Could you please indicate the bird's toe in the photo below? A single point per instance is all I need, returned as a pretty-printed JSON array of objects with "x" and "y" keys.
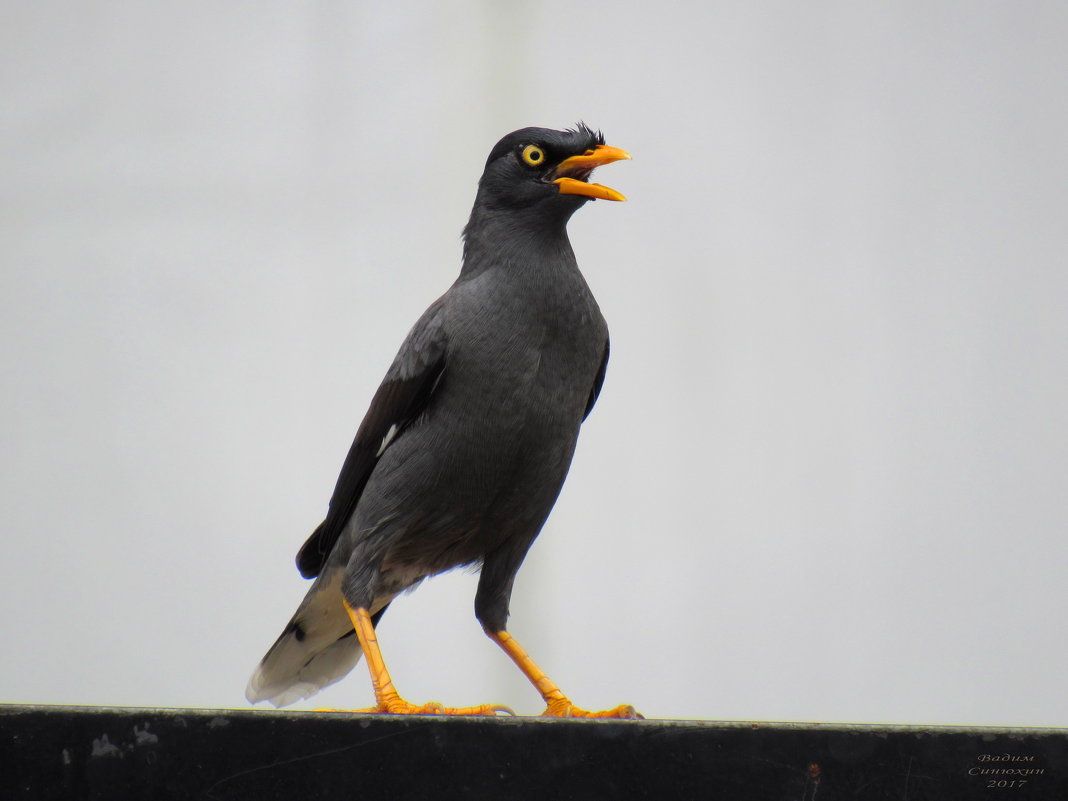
[
  {"x": 563, "y": 708},
  {"x": 398, "y": 706}
]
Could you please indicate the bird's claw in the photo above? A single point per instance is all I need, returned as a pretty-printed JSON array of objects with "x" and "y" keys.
[
  {"x": 398, "y": 706},
  {"x": 563, "y": 708}
]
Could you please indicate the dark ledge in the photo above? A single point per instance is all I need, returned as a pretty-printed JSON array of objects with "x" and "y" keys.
[{"x": 101, "y": 753}]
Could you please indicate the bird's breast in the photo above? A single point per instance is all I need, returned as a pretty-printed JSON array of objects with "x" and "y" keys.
[
  {"x": 488, "y": 457},
  {"x": 519, "y": 371}
]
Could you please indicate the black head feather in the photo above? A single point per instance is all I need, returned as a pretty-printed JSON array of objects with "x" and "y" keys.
[
  {"x": 525, "y": 193},
  {"x": 558, "y": 144}
]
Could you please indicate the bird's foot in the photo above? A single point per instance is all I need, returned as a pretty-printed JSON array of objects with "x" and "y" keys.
[
  {"x": 395, "y": 705},
  {"x": 388, "y": 700},
  {"x": 563, "y": 708}
]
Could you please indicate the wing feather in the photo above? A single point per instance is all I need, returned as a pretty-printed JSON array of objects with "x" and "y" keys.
[
  {"x": 401, "y": 398},
  {"x": 598, "y": 382}
]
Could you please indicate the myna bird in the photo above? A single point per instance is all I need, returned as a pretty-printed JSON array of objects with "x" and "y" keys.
[{"x": 466, "y": 444}]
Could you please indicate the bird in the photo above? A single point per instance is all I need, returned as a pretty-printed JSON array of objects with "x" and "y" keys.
[{"x": 467, "y": 441}]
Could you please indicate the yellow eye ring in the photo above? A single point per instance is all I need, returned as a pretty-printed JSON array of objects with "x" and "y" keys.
[{"x": 533, "y": 155}]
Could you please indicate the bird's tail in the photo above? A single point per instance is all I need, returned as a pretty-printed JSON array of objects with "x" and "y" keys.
[{"x": 317, "y": 648}]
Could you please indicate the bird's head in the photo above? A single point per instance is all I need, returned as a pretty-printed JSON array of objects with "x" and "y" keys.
[{"x": 545, "y": 173}]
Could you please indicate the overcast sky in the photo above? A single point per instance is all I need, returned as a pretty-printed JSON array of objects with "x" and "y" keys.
[{"x": 827, "y": 478}]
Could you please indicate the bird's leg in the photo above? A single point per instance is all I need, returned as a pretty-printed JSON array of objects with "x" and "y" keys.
[
  {"x": 558, "y": 705},
  {"x": 386, "y": 696}
]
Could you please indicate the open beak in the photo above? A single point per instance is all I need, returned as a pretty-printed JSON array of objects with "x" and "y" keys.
[{"x": 572, "y": 173}]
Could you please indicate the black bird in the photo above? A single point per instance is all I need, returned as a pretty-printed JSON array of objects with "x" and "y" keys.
[{"x": 467, "y": 442}]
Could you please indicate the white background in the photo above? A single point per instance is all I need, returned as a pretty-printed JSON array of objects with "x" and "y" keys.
[{"x": 826, "y": 479}]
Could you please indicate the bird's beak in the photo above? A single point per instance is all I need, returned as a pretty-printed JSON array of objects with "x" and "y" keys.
[{"x": 573, "y": 172}]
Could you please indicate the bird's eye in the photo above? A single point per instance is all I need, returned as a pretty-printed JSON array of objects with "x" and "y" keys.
[{"x": 533, "y": 155}]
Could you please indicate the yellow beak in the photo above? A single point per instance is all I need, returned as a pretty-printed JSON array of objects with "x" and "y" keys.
[{"x": 573, "y": 172}]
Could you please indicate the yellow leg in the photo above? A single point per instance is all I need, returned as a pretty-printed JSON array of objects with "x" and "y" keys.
[
  {"x": 558, "y": 705},
  {"x": 386, "y": 696}
]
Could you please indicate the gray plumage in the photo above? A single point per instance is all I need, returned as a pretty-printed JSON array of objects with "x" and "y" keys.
[{"x": 467, "y": 442}]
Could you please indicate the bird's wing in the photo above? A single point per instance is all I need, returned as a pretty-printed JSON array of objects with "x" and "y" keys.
[
  {"x": 402, "y": 397},
  {"x": 598, "y": 382}
]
